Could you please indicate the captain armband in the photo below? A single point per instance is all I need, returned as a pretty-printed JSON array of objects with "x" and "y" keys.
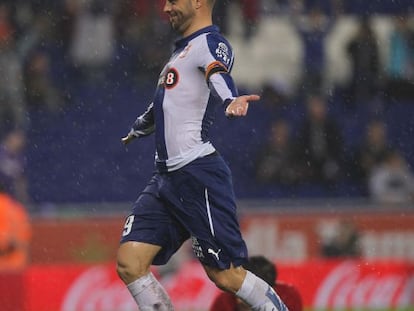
[{"x": 215, "y": 67}]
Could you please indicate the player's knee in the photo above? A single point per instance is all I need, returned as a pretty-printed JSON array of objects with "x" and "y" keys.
[
  {"x": 130, "y": 271},
  {"x": 123, "y": 271},
  {"x": 222, "y": 282},
  {"x": 130, "y": 268},
  {"x": 226, "y": 280},
  {"x": 134, "y": 260}
]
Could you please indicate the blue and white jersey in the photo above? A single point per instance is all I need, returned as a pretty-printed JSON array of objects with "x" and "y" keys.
[{"x": 192, "y": 84}]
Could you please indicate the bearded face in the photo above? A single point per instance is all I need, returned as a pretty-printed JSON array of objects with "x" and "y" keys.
[{"x": 181, "y": 14}]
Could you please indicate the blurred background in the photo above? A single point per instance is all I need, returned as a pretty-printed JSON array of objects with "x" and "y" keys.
[{"x": 322, "y": 165}]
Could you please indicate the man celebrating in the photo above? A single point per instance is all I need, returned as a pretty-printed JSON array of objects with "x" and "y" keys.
[{"x": 191, "y": 193}]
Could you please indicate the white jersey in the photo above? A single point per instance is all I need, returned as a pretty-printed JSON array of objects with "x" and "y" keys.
[{"x": 192, "y": 84}]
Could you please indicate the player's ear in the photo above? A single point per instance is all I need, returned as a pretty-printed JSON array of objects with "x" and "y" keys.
[{"x": 197, "y": 4}]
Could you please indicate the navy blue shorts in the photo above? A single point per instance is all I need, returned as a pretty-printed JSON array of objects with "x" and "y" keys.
[{"x": 197, "y": 202}]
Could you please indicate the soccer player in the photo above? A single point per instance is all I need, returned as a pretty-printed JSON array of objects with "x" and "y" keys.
[
  {"x": 191, "y": 194},
  {"x": 266, "y": 270}
]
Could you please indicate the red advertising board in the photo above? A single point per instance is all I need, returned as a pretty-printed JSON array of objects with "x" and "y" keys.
[
  {"x": 76, "y": 288},
  {"x": 12, "y": 289},
  {"x": 293, "y": 236},
  {"x": 322, "y": 284},
  {"x": 66, "y": 273}
]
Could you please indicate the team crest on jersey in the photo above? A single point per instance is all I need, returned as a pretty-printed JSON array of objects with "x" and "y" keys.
[
  {"x": 222, "y": 52},
  {"x": 170, "y": 79}
]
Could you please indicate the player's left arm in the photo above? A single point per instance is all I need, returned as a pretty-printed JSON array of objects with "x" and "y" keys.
[
  {"x": 223, "y": 85},
  {"x": 217, "y": 73}
]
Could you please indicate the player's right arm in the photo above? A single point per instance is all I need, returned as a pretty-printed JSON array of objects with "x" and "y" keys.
[{"x": 144, "y": 125}]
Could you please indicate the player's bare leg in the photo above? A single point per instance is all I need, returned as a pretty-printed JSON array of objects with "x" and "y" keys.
[
  {"x": 228, "y": 280},
  {"x": 133, "y": 266},
  {"x": 248, "y": 287}
]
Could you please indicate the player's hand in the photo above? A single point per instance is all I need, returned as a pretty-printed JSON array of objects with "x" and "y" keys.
[
  {"x": 239, "y": 106},
  {"x": 127, "y": 139}
]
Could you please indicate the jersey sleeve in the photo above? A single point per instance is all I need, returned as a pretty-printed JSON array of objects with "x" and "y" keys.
[
  {"x": 217, "y": 64},
  {"x": 144, "y": 125}
]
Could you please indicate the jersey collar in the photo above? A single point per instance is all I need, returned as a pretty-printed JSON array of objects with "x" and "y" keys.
[{"x": 181, "y": 43}]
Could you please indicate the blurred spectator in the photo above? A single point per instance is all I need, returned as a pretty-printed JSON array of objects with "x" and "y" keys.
[
  {"x": 344, "y": 243},
  {"x": 372, "y": 149},
  {"x": 319, "y": 144},
  {"x": 93, "y": 36},
  {"x": 135, "y": 24},
  {"x": 276, "y": 162},
  {"x": 40, "y": 90},
  {"x": 400, "y": 66},
  {"x": 6, "y": 21},
  {"x": 12, "y": 104},
  {"x": 275, "y": 94},
  {"x": 313, "y": 29},
  {"x": 392, "y": 181},
  {"x": 271, "y": 7},
  {"x": 15, "y": 233},
  {"x": 328, "y": 7},
  {"x": 364, "y": 55},
  {"x": 266, "y": 270},
  {"x": 250, "y": 10},
  {"x": 12, "y": 165},
  {"x": 34, "y": 22}
]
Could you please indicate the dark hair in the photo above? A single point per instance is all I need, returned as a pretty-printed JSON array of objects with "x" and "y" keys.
[{"x": 263, "y": 268}]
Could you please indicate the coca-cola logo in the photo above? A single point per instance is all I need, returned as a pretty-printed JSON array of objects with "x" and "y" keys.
[
  {"x": 347, "y": 286},
  {"x": 98, "y": 289}
]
